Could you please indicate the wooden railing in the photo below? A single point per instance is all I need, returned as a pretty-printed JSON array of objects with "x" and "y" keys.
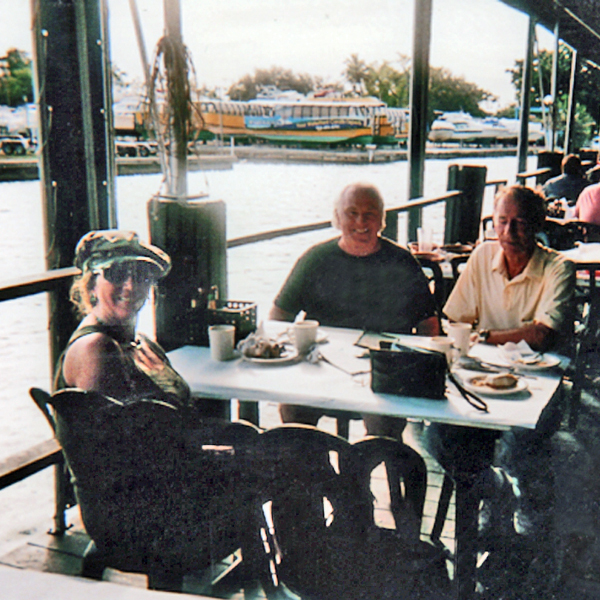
[{"x": 523, "y": 177}]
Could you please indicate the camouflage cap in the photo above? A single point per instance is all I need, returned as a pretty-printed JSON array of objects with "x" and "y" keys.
[{"x": 99, "y": 249}]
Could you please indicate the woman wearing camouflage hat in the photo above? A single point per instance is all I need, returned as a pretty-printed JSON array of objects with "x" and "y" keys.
[{"x": 105, "y": 353}]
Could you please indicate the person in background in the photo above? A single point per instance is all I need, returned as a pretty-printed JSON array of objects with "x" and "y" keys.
[
  {"x": 359, "y": 280},
  {"x": 587, "y": 207},
  {"x": 569, "y": 184},
  {"x": 514, "y": 288}
]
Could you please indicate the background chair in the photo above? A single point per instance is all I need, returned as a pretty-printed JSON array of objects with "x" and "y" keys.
[
  {"x": 159, "y": 494},
  {"x": 320, "y": 519},
  {"x": 437, "y": 284}
]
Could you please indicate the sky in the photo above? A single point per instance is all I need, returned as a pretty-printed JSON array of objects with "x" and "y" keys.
[{"x": 475, "y": 39}]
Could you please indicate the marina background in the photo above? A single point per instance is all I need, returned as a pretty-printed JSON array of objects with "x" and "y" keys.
[{"x": 258, "y": 198}]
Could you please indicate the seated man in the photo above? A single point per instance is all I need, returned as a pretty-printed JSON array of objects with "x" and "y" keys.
[
  {"x": 512, "y": 289},
  {"x": 515, "y": 289},
  {"x": 359, "y": 280},
  {"x": 568, "y": 185}
]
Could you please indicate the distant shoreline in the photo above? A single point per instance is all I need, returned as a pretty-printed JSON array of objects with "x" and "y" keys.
[{"x": 214, "y": 157}]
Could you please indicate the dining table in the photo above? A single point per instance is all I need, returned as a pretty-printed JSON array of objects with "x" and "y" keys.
[
  {"x": 336, "y": 376},
  {"x": 586, "y": 257}
]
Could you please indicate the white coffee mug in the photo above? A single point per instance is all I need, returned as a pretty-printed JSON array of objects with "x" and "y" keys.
[
  {"x": 305, "y": 335},
  {"x": 221, "y": 339},
  {"x": 460, "y": 334},
  {"x": 445, "y": 345}
]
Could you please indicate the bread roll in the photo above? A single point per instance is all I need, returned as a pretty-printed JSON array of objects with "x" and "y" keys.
[{"x": 502, "y": 381}]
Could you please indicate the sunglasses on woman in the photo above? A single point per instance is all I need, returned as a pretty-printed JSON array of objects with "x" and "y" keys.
[{"x": 140, "y": 273}]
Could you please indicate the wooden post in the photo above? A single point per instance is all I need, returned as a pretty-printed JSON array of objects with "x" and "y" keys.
[
  {"x": 76, "y": 148},
  {"x": 391, "y": 225},
  {"x": 175, "y": 64},
  {"x": 419, "y": 86},
  {"x": 463, "y": 216},
  {"x": 193, "y": 234},
  {"x": 548, "y": 159}
]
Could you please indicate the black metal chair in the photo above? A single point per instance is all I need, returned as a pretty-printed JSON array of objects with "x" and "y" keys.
[
  {"x": 159, "y": 493},
  {"x": 437, "y": 284},
  {"x": 320, "y": 525}
]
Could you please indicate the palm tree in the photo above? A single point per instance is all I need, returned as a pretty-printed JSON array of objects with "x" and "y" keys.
[{"x": 356, "y": 72}]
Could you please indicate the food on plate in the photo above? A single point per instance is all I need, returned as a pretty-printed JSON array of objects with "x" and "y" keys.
[
  {"x": 501, "y": 381},
  {"x": 262, "y": 348}
]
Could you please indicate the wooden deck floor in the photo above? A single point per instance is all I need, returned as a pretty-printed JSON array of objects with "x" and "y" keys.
[{"x": 47, "y": 553}]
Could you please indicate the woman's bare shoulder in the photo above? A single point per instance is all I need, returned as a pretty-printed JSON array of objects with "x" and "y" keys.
[{"x": 89, "y": 357}]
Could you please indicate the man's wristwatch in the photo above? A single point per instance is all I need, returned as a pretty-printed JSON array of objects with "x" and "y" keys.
[{"x": 484, "y": 334}]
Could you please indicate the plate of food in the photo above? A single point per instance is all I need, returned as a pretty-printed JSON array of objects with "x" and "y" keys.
[
  {"x": 538, "y": 362},
  {"x": 262, "y": 351},
  {"x": 287, "y": 356},
  {"x": 497, "y": 384}
]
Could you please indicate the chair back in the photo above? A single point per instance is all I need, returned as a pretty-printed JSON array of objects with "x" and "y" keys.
[
  {"x": 42, "y": 400},
  {"x": 308, "y": 481},
  {"x": 406, "y": 474},
  {"x": 435, "y": 277},
  {"x": 156, "y": 489},
  {"x": 320, "y": 526}
]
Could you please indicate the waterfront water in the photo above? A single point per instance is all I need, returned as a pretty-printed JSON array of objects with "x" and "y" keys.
[{"x": 258, "y": 197}]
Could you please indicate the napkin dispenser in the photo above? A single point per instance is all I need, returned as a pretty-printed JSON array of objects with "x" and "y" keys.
[{"x": 409, "y": 371}]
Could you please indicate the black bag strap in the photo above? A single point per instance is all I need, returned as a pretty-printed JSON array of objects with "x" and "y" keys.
[{"x": 473, "y": 399}]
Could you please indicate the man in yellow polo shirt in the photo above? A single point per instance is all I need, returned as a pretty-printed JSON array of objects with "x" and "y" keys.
[
  {"x": 515, "y": 289},
  {"x": 512, "y": 289}
]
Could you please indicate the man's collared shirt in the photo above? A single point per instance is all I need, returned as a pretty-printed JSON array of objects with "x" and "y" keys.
[{"x": 485, "y": 295}]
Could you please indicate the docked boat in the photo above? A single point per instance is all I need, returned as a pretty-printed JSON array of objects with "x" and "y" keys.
[
  {"x": 462, "y": 127},
  {"x": 296, "y": 119}
]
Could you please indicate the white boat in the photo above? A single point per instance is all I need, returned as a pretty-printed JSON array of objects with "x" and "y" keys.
[{"x": 461, "y": 127}]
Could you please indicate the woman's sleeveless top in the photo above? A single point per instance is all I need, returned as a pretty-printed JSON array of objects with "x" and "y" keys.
[{"x": 148, "y": 372}]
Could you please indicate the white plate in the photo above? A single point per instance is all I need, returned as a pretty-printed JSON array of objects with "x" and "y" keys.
[
  {"x": 485, "y": 390},
  {"x": 546, "y": 362},
  {"x": 288, "y": 356}
]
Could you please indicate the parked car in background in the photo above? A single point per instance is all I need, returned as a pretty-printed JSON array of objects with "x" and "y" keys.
[
  {"x": 135, "y": 148},
  {"x": 16, "y": 145}
]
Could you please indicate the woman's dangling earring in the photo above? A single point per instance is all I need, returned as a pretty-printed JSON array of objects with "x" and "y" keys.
[{"x": 93, "y": 299}]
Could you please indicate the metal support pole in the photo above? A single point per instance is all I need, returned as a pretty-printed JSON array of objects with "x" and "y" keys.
[
  {"x": 72, "y": 78},
  {"x": 554, "y": 86},
  {"x": 86, "y": 113},
  {"x": 570, "y": 126},
  {"x": 419, "y": 84},
  {"x": 523, "y": 148},
  {"x": 175, "y": 64},
  {"x": 70, "y": 51}
]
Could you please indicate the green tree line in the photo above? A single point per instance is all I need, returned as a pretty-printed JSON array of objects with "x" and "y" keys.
[{"x": 16, "y": 81}]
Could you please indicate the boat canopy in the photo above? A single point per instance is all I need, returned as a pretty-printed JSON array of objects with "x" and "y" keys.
[{"x": 579, "y": 22}]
